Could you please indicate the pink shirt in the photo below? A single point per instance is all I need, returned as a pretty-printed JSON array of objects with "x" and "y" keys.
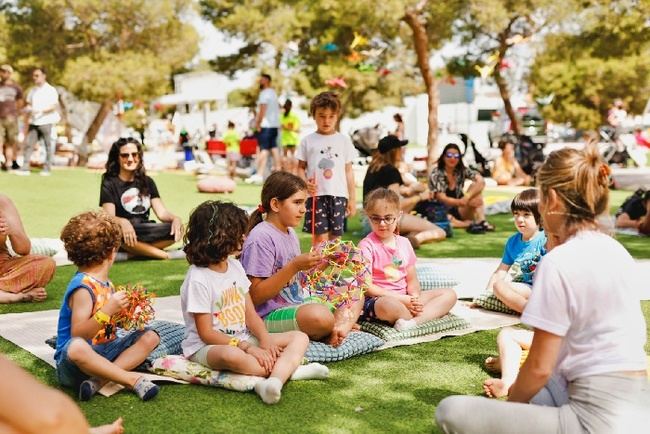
[{"x": 387, "y": 265}]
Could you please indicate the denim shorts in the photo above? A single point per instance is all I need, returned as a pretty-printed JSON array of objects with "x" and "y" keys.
[
  {"x": 268, "y": 138},
  {"x": 70, "y": 375}
]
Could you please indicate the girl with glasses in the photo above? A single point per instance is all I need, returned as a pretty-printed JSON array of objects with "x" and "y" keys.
[
  {"x": 129, "y": 194},
  {"x": 395, "y": 295},
  {"x": 446, "y": 182}
]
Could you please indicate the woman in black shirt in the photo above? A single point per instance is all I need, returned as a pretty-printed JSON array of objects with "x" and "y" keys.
[
  {"x": 129, "y": 194},
  {"x": 383, "y": 172}
]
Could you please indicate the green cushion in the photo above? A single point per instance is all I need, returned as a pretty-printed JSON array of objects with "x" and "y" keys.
[
  {"x": 354, "y": 344},
  {"x": 430, "y": 277},
  {"x": 490, "y": 301},
  {"x": 388, "y": 333}
]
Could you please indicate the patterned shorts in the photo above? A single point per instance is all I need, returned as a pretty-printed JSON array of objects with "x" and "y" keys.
[{"x": 330, "y": 215}]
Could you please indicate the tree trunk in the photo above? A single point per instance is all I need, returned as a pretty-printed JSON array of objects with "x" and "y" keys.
[
  {"x": 421, "y": 44},
  {"x": 501, "y": 81},
  {"x": 94, "y": 127}
]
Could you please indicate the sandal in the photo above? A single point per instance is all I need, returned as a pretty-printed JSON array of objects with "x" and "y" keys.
[
  {"x": 488, "y": 226},
  {"x": 476, "y": 228}
]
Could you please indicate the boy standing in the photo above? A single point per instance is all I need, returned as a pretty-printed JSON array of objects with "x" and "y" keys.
[
  {"x": 88, "y": 352},
  {"x": 325, "y": 162}
]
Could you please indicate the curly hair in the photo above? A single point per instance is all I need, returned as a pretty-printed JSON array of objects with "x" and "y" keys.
[
  {"x": 328, "y": 100},
  {"x": 216, "y": 229},
  {"x": 113, "y": 164},
  {"x": 90, "y": 237}
]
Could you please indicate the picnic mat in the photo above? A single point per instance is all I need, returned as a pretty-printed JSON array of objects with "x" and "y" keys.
[{"x": 30, "y": 330}]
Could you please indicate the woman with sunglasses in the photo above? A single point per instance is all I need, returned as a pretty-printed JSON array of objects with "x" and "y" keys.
[
  {"x": 446, "y": 182},
  {"x": 129, "y": 194},
  {"x": 383, "y": 172}
]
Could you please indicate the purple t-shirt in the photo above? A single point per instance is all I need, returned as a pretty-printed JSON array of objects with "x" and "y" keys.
[{"x": 266, "y": 250}]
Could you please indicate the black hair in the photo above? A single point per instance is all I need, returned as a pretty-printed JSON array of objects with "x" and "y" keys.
[
  {"x": 231, "y": 124},
  {"x": 39, "y": 68},
  {"x": 267, "y": 76},
  {"x": 527, "y": 200},
  {"x": 441, "y": 160},
  {"x": 113, "y": 164},
  {"x": 279, "y": 185},
  {"x": 216, "y": 229},
  {"x": 646, "y": 196},
  {"x": 287, "y": 107}
]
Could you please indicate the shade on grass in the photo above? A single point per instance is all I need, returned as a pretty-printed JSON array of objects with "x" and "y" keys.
[{"x": 390, "y": 391}]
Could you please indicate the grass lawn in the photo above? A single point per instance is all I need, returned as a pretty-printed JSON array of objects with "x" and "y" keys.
[{"x": 390, "y": 391}]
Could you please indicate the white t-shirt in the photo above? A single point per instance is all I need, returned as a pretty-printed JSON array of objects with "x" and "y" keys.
[
  {"x": 326, "y": 157},
  {"x": 222, "y": 295},
  {"x": 272, "y": 114},
  {"x": 587, "y": 291},
  {"x": 41, "y": 98}
]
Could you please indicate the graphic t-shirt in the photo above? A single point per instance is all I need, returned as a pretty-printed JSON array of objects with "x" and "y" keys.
[
  {"x": 9, "y": 94},
  {"x": 266, "y": 250},
  {"x": 523, "y": 256},
  {"x": 326, "y": 157},
  {"x": 129, "y": 204},
  {"x": 633, "y": 207},
  {"x": 388, "y": 266},
  {"x": 269, "y": 98},
  {"x": 222, "y": 295},
  {"x": 289, "y": 137},
  {"x": 100, "y": 292}
]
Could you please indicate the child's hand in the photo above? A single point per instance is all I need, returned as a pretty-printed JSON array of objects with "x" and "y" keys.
[
  {"x": 116, "y": 303},
  {"x": 306, "y": 260},
  {"x": 417, "y": 306},
  {"x": 263, "y": 357},
  {"x": 177, "y": 229},
  {"x": 311, "y": 186},
  {"x": 351, "y": 209},
  {"x": 274, "y": 350}
]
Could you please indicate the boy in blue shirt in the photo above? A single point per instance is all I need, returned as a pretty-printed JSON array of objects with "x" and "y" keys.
[
  {"x": 88, "y": 351},
  {"x": 522, "y": 253}
]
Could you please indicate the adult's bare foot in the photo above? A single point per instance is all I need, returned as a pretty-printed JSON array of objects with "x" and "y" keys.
[
  {"x": 495, "y": 388},
  {"x": 114, "y": 428}
]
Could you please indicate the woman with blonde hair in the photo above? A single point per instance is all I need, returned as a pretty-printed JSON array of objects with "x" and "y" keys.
[{"x": 586, "y": 369}]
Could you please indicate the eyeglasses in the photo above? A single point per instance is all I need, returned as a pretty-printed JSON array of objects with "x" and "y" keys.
[
  {"x": 452, "y": 155},
  {"x": 126, "y": 155},
  {"x": 389, "y": 219}
]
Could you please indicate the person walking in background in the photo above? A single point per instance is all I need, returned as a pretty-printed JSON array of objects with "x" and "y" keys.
[
  {"x": 267, "y": 123},
  {"x": 42, "y": 113},
  {"x": 289, "y": 137},
  {"x": 11, "y": 100},
  {"x": 399, "y": 126}
]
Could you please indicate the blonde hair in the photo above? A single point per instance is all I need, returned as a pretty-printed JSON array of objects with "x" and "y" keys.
[{"x": 581, "y": 179}]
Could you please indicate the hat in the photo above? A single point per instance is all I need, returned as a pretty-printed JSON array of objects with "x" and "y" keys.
[
  {"x": 390, "y": 142},
  {"x": 7, "y": 68}
]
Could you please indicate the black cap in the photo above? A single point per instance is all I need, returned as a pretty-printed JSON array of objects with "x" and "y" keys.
[{"x": 390, "y": 142}]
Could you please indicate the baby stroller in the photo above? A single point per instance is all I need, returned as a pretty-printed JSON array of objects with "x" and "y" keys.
[
  {"x": 480, "y": 163},
  {"x": 366, "y": 139}
]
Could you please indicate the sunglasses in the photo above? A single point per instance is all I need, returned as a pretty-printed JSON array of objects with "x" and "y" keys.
[
  {"x": 389, "y": 219},
  {"x": 133, "y": 155},
  {"x": 452, "y": 155}
]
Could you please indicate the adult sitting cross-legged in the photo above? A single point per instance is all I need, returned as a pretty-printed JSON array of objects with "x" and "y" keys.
[
  {"x": 129, "y": 194},
  {"x": 22, "y": 278}
]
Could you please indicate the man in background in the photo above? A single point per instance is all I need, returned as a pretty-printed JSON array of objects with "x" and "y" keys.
[{"x": 11, "y": 101}]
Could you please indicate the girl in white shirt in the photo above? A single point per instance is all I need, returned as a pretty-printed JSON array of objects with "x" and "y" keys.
[{"x": 586, "y": 370}]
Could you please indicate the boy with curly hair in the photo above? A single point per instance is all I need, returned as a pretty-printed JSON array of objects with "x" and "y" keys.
[{"x": 88, "y": 352}]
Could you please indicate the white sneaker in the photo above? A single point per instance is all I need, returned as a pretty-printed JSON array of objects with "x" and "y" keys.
[
  {"x": 254, "y": 179},
  {"x": 176, "y": 254},
  {"x": 21, "y": 172},
  {"x": 45, "y": 173}
]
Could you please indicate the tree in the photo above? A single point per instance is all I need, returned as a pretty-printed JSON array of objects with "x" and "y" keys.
[
  {"x": 490, "y": 28},
  {"x": 313, "y": 43},
  {"x": 586, "y": 68},
  {"x": 104, "y": 50}
]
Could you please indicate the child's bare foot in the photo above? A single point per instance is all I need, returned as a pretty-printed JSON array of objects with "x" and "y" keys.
[
  {"x": 492, "y": 365},
  {"x": 495, "y": 388},
  {"x": 114, "y": 428}
]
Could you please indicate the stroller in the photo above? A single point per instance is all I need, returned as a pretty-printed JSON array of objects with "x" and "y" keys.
[
  {"x": 366, "y": 139},
  {"x": 480, "y": 163},
  {"x": 530, "y": 155}
]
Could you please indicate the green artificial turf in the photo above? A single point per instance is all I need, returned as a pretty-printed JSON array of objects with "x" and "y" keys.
[{"x": 389, "y": 391}]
